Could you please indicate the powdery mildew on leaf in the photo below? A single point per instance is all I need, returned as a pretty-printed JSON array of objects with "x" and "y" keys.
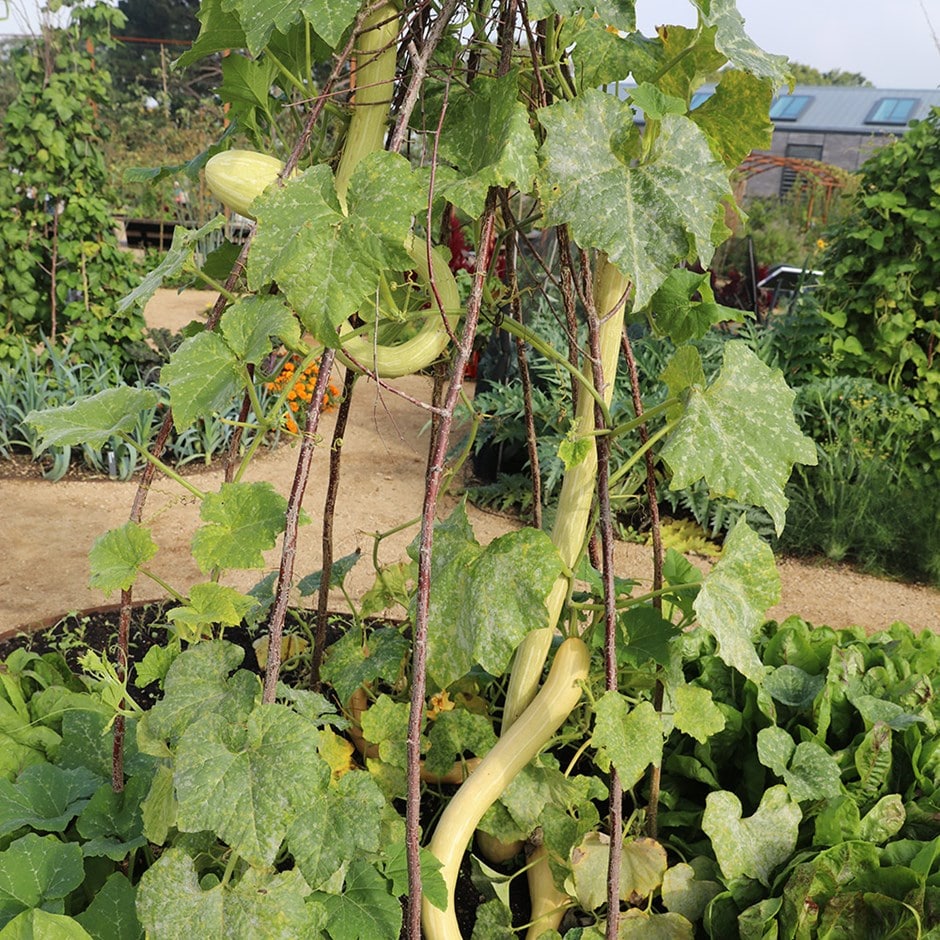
[
  {"x": 242, "y": 521},
  {"x": 647, "y": 215},
  {"x": 740, "y": 435},
  {"x": 173, "y": 905},
  {"x": 755, "y": 846},
  {"x": 733, "y": 41},
  {"x": 259, "y": 18},
  {"x": 486, "y": 135},
  {"x": 736, "y": 594},
  {"x": 485, "y": 600},
  {"x": 248, "y": 783}
]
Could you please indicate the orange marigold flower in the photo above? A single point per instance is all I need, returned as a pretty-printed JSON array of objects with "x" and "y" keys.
[{"x": 291, "y": 425}]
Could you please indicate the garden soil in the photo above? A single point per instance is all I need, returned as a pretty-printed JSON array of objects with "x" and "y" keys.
[{"x": 48, "y": 528}]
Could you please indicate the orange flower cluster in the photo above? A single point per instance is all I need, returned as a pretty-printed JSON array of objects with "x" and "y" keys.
[{"x": 301, "y": 392}]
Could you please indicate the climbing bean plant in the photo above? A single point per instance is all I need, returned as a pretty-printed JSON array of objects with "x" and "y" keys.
[
  {"x": 63, "y": 270},
  {"x": 386, "y": 128}
]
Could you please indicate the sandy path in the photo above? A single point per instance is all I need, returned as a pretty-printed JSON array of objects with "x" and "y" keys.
[{"x": 49, "y": 527}]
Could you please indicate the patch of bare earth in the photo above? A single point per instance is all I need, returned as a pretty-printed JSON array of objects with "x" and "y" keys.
[{"x": 48, "y": 527}]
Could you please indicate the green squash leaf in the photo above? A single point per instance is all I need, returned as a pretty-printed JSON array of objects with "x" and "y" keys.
[
  {"x": 366, "y": 907},
  {"x": 93, "y": 420},
  {"x": 247, "y": 783},
  {"x": 675, "y": 314},
  {"x": 338, "y": 571},
  {"x": 203, "y": 376},
  {"x": 618, "y": 13},
  {"x": 487, "y": 137},
  {"x": 385, "y": 723},
  {"x": 630, "y": 739},
  {"x": 86, "y": 742},
  {"x": 647, "y": 215},
  {"x": 678, "y": 61},
  {"x": 328, "y": 263},
  {"x": 456, "y": 733},
  {"x": 181, "y": 251},
  {"x": 655, "y": 103},
  {"x": 508, "y": 582},
  {"x": 755, "y": 846},
  {"x": 599, "y": 56},
  {"x": 158, "y": 809},
  {"x": 218, "y": 31},
  {"x": 36, "y": 870},
  {"x": 243, "y": 520},
  {"x": 259, "y": 18},
  {"x": 432, "y": 882},
  {"x": 45, "y": 797},
  {"x": 112, "y": 914},
  {"x": 37, "y": 924},
  {"x": 117, "y": 556},
  {"x": 211, "y": 604},
  {"x": 347, "y": 666},
  {"x": 648, "y": 636},
  {"x": 735, "y": 118},
  {"x": 111, "y": 822},
  {"x": 735, "y": 595},
  {"x": 248, "y": 325},
  {"x": 740, "y": 435}
]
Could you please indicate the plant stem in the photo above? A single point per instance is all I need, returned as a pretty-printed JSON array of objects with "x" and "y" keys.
[
  {"x": 326, "y": 542},
  {"x": 652, "y": 812},
  {"x": 515, "y": 306},
  {"x": 615, "y": 803},
  {"x": 289, "y": 550},
  {"x": 164, "y": 468},
  {"x": 432, "y": 489},
  {"x": 419, "y": 72}
]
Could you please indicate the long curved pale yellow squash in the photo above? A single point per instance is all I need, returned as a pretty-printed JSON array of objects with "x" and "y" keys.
[{"x": 533, "y": 730}]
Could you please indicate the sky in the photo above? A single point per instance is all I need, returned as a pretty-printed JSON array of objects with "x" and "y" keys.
[
  {"x": 894, "y": 45},
  {"x": 889, "y": 43}
]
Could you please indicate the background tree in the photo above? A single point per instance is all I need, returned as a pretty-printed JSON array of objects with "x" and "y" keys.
[
  {"x": 63, "y": 271},
  {"x": 807, "y": 75}
]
